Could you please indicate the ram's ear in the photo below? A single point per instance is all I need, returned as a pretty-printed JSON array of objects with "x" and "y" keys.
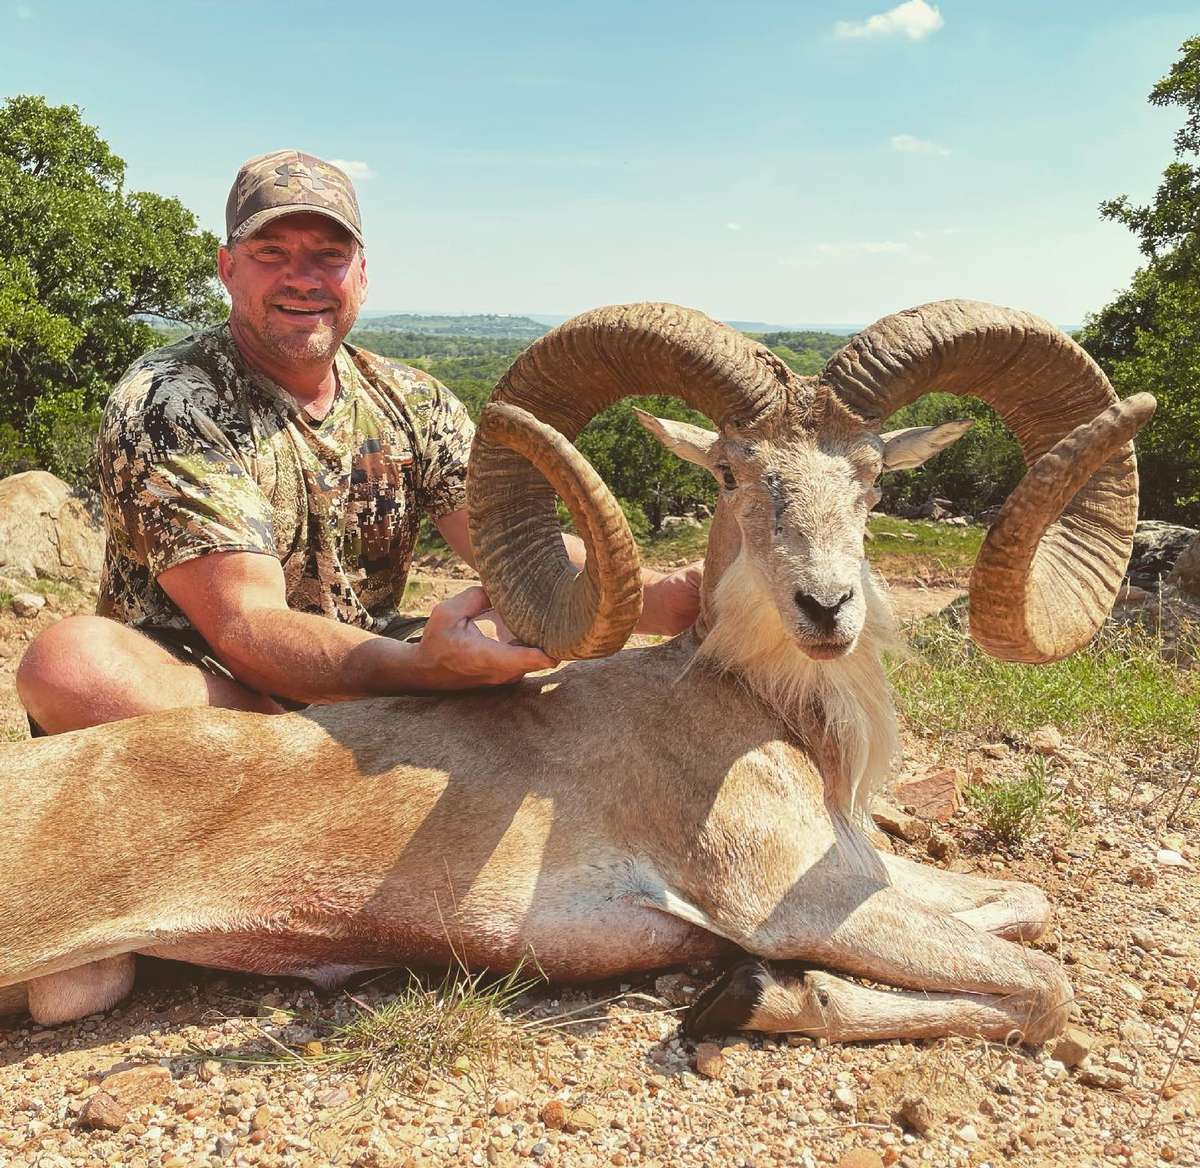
[
  {"x": 689, "y": 442},
  {"x": 905, "y": 449}
]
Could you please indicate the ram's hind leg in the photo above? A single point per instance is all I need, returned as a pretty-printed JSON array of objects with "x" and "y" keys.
[
  {"x": 86, "y": 989},
  {"x": 981, "y": 985},
  {"x": 1005, "y": 908}
]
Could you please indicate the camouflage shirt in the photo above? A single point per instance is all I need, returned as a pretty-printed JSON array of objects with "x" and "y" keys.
[{"x": 199, "y": 454}]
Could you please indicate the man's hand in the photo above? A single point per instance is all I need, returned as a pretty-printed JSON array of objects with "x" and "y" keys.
[
  {"x": 671, "y": 602},
  {"x": 454, "y": 653}
]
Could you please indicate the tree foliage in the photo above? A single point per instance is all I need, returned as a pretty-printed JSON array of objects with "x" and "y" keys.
[
  {"x": 83, "y": 259},
  {"x": 1148, "y": 338}
]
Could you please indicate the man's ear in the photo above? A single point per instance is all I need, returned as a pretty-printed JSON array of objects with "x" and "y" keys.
[
  {"x": 688, "y": 442},
  {"x": 905, "y": 449}
]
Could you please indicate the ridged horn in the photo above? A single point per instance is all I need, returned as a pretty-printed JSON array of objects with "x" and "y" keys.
[
  {"x": 1051, "y": 566},
  {"x": 562, "y": 381}
]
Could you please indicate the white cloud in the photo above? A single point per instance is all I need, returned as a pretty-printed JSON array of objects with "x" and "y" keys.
[
  {"x": 356, "y": 170},
  {"x": 734, "y": 226},
  {"x": 907, "y": 144},
  {"x": 914, "y": 19},
  {"x": 863, "y": 247}
]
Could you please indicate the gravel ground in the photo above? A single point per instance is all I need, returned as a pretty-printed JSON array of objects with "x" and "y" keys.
[{"x": 612, "y": 1083}]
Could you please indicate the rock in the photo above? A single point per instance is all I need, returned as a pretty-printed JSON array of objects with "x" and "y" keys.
[
  {"x": 860, "y": 1158},
  {"x": 844, "y": 1099},
  {"x": 1169, "y": 858},
  {"x": 1144, "y": 939},
  {"x": 580, "y": 1119},
  {"x": 124, "y": 1091},
  {"x": 1185, "y": 575},
  {"x": 261, "y": 1119},
  {"x": 208, "y": 1070},
  {"x": 968, "y": 1133},
  {"x": 914, "y": 1114},
  {"x": 1142, "y": 876},
  {"x": 942, "y": 847},
  {"x": 48, "y": 529},
  {"x": 1157, "y": 547},
  {"x": 935, "y": 797},
  {"x": 677, "y": 988},
  {"x": 506, "y": 1103},
  {"x": 674, "y": 522},
  {"x": 313, "y": 1049},
  {"x": 1103, "y": 1077},
  {"x": 1131, "y": 594},
  {"x": 1072, "y": 1047},
  {"x": 899, "y": 823},
  {"x": 554, "y": 1114},
  {"x": 994, "y": 750},
  {"x": 1047, "y": 740},
  {"x": 28, "y": 604},
  {"x": 709, "y": 1061}
]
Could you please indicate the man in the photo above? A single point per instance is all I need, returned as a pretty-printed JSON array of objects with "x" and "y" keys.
[{"x": 262, "y": 486}]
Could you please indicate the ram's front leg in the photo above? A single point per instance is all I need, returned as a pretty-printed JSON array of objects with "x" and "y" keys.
[{"x": 967, "y": 982}]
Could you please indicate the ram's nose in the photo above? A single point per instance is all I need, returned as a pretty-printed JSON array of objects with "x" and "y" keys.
[{"x": 822, "y": 611}]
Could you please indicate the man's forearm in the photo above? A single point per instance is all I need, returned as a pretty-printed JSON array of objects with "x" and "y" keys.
[{"x": 310, "y": 658}]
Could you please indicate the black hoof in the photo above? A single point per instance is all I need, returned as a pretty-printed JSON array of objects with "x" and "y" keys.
[{"x": 727, "y": 1004}]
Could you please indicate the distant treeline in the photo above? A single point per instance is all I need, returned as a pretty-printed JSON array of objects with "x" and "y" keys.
[
  {"x": 488, "y": 324},
  {"x": 651, "y": 484}
]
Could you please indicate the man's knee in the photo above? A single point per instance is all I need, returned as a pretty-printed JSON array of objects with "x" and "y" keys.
[{"x": 75, "y": 655}]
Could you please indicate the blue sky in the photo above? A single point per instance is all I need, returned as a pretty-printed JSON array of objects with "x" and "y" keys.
[{"x": 785, "y": 162}]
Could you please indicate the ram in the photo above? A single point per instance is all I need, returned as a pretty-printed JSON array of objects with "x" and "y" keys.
[{"x": 701, "y": 798}]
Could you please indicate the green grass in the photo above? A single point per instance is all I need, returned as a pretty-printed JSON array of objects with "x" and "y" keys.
[
  {"x": 681, "y": 543},
  {"x": 62, "y": 589},
  {"x": 460, "y": 1025},
  {"x": 1119, "y": 690},
  {"x": 1011, "y": 809},
  {"x": 416, "y": 591},
  {"x": 903, "y": 546}
]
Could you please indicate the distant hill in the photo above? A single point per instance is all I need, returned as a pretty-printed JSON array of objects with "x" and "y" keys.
[{"x": 477, "y": 325}]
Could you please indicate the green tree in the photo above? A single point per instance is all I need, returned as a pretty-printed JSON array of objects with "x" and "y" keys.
[
  {"x": 1148, "y": 338},
  {"x": 83, "y": 260},
  {"x": 640, "y": 471}
]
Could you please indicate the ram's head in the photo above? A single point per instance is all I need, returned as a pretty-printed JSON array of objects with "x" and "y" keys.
[{"x": 797, "y": 460}]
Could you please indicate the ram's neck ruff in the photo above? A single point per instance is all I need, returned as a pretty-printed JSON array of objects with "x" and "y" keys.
[{"x": 850, "y": 695}]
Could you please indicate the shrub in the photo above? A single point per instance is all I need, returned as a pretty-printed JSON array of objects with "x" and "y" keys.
[{"x": 1012, "y": 808}]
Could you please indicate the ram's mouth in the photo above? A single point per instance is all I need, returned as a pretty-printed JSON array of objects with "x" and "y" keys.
[{"x": 826, "y": 650}]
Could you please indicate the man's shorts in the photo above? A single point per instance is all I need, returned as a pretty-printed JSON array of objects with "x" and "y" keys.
[{"x": 189, "y": 646}]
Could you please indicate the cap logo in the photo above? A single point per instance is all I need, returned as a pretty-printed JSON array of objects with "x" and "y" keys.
[{"x": 302, "y": 173}]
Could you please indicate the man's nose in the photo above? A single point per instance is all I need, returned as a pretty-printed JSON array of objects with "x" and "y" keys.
[{"x": 303, "y": 272}]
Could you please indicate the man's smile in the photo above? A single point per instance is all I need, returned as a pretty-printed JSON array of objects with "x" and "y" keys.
[{"x": 312, "y": 312}]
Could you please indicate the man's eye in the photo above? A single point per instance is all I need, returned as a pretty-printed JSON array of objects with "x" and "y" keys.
[{"x": 727, "y": 478}]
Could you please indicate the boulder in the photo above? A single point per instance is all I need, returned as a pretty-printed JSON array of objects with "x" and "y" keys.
[
  {"x": 1156, "y": 548},
  {"x": 1185, "y": 575},
  {"x": 48, "y": 529}
]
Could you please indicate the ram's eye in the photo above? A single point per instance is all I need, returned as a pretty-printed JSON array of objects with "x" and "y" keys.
[{"x": 727, "y": 478}]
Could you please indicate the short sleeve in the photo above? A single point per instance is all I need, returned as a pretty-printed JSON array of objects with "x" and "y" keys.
[
  {"x": 174, "y": 487},
  {"x": 444, "y": 439}
]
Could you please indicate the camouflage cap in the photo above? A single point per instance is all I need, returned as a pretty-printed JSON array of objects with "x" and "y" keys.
[{"x": 284, "y": 182}]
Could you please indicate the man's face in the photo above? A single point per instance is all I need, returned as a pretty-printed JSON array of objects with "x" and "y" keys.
[{"x": 296, "y": 285}]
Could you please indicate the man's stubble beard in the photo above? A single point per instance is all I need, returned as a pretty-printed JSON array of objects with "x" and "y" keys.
[{"x": 317, "y": 346}]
